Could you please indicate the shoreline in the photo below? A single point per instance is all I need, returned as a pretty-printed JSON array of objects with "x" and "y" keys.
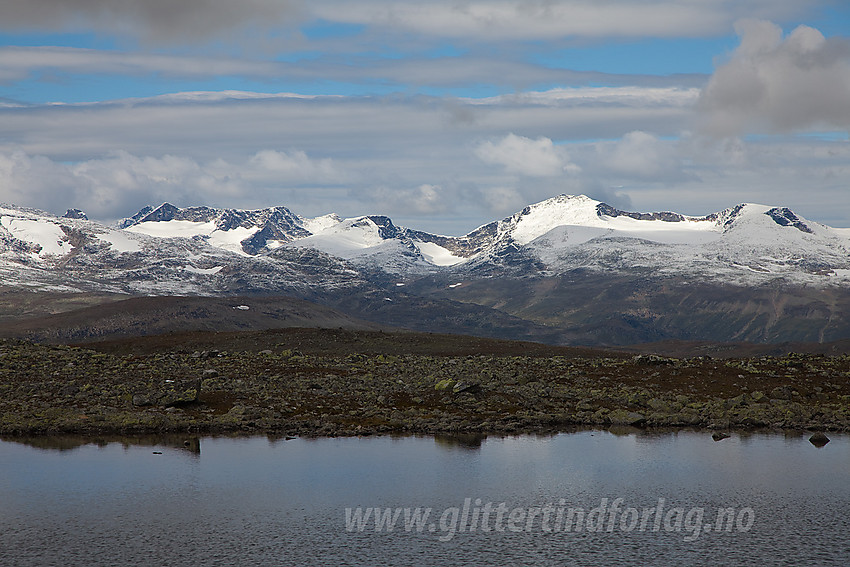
[
  {"x": 191, "y": 442},
  {"x": 59, "y": 389}
]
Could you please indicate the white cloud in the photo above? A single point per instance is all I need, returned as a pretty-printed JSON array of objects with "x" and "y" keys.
[
  {"x": 295, "y": 166},
  {"x": 21, "y": 62},
  {"x": 172, "y": 21},
  {"x": 502, "y": 200},
  {"x": 774, "y": 84},
  {"x": 425, "y": 199},
  {"x": 119, "y": 183},
  {"x": 188, "y": 22},
  {"x": 409, "y": 157},
  {"x": 546, "y": 19},
  {"x": 518, "y": 154},
  {"x": 642, "y": 156},
  {"x": 626, "y": 96}
]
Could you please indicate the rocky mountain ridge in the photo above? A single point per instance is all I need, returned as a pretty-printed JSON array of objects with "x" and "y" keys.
[{"x": 567, "y": 270}]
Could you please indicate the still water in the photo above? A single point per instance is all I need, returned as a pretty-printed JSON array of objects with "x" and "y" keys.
[{"x": 582, "y": 498}]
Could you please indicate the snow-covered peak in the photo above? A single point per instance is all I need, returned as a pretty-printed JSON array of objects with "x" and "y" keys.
[
  {"x": 538, "y": 219},
  {"x": 761, "y": 222},
  {"x": 237, "y": 230},
  {"x": 346, "y": 238},
  {"x": 319, "y": 224},
  {"x": 553, "y": 236},
  {"x": 38, "y": 236},
  {"x": 575, "y": 214}
]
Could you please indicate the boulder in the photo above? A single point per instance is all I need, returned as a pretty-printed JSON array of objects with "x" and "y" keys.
[{"x": 623, "y": 417}]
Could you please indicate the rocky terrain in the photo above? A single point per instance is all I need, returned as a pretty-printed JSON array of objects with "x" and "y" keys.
[{"x": 359, "y": 382}]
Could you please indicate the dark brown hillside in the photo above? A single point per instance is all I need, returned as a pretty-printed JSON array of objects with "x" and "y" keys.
[{"x": 143, "y": 316}]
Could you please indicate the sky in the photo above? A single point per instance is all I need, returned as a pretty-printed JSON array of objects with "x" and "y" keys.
[{"x": 442, "y": 114}]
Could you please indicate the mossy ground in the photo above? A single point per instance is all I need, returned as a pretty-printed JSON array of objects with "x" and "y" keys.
[{"x": 359, "y": 383}]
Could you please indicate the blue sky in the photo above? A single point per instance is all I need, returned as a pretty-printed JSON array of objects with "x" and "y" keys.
[{"x": 442, "y": 114}]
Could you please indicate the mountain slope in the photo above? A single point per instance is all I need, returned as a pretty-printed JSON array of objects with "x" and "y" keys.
[
  {"x": 745, "y": 244},
  {"x": 566, "y": 270},
  {"x": 142, "y": 316}
]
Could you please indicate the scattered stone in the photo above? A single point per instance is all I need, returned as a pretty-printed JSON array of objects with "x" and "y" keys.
[
  {"x": 781, "y": 393},
  {"x": 69, "y": 390},
  {"x": 469, "y": 387},
  {"x": 651, "y": 360},
  {"x": 659, "y": 405},
  {"x": 759, "y": 397},
  {"x": 720, "y": 436},
  {"x": 623, "y": 417},
  {"x": 314, "y": 392},
  {"x": 142, "y": 400}
]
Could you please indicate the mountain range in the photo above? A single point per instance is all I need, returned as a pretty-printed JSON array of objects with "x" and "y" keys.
[{"x": 567, "y": 270}]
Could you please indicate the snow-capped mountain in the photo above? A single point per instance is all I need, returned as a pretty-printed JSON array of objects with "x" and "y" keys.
[
  {"x": 742, "y": 244},
  {"x": 240, "y": 231},
  {"x": 40, "y": 251},
  {"x": 569, "y": 268},
  {"x": 745, "y": 244}
]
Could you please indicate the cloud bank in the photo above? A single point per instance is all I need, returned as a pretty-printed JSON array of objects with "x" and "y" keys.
[
  {"x": 188, "y": 21},
  {"x": 773, "y": 84},
  {"x": 172, "y": 21}
]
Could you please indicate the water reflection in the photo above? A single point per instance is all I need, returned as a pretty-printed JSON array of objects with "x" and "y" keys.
[
  {"x": 472, "y": 441},
  {"x": 277, "y": 501},
  {"x": 460, "y": 441},
  {"x": 188, "y": 443}
]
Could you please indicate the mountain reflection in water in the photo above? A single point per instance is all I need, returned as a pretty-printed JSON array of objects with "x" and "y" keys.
[{"x": 162, "y": 500}]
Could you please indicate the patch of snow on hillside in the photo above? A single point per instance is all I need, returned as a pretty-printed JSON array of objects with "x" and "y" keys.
[
  {"x": 346, "y": 239},
  {"x": 173, "y": 228},
  {"x": 438, "y": 255},
  {"x": 322, "y": 223},
  {"x": 230, "y": 240},
  {"x": 664, "y": 232},
  {"x": 121, "y": 242},
  {"x": 48, "y": 235},
  {"x": 842, "y": 232},
  {"x": 203, "y": 271}
]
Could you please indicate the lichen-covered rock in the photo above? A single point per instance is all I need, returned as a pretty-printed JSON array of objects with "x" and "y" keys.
[{"x": 623, "y": 417}]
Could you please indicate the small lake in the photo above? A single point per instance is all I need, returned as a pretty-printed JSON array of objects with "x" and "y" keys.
[{"x": 584, "y": 498}]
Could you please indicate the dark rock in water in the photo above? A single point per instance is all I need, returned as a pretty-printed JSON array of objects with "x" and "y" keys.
[
  {"x": 720, "y": 436},
  {"x": 819, "y": 439}
]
